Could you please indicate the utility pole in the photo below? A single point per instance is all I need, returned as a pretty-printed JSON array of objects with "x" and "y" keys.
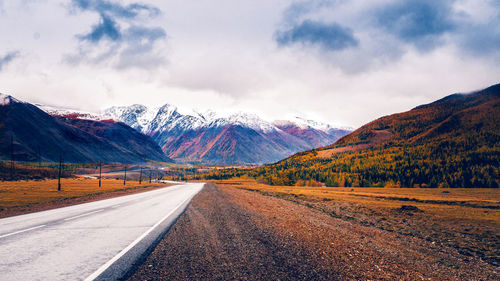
[
  {"x": 60, "y": 167},
  {"x": 149, "y": 176},
  {"x": 11, "y": 157},
  {"x": 100, "y": 173},
  {"x": 140, "y": 177},
  {"x": 125, "y": 175}
]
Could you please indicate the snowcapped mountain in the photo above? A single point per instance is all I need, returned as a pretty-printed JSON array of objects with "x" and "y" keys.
[
  {"x": 211, "y": 138},
  {"x": 239, "y": 138},
  {"x": 7, "y": 99},
  {"x": 28, "y": 132}
]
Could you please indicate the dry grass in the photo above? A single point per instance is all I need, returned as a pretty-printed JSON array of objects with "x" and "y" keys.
[
  {"x": 25, "y": 193},
  {"x": 482, "y": 205},
  {"x": 465, "y": 220}
]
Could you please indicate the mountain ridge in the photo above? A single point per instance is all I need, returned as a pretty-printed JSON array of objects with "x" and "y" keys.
[
  {"x": 451, "y": 142},
  {"x": 77, "y": 140},
  {"x": 210, "y": 138}
]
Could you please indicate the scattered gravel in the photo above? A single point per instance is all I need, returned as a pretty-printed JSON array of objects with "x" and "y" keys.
[{"x": 233, "y": 234}]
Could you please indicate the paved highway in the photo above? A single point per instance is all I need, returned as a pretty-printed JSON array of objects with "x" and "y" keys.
[{"x": 100, "y": 240}]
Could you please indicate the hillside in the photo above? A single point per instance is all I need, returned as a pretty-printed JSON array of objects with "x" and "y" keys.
[
  {"x": 239, "y": 138},
  {"x": 79, "y": 140},
  {"x": 455, "y": 116},
  {"x": 453, "y": 142}
]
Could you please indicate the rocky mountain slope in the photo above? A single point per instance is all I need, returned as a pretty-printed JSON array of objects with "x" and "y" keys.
[{"x": 239, "y": 138}]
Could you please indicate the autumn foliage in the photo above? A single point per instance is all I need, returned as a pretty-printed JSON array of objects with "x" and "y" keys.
[{"x": 453, "y": 142}]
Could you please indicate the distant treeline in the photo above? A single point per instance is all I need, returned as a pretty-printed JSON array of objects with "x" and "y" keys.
[{"x": 30, "y": 172}]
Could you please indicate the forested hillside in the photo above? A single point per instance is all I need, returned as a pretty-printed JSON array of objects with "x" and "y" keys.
[{"x": 453, "y": 142}]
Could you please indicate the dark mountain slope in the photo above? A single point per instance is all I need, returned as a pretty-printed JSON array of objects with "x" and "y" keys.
[
  {"x": 79, "y": 140},
  {"x": 124, "y": 138}
]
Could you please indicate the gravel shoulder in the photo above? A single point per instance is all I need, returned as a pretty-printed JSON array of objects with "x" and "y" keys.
[{"x": 230, "y": 233}]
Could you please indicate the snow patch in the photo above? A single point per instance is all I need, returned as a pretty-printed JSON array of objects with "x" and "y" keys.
[
  {"x": 7, "y": 99},
  {"x": 58, "y": 111}
]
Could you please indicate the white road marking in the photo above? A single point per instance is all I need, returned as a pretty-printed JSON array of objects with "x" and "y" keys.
[
  {"x": 120, "y": 254},
  {"x": 21, "y": 231},
  {"x": 82, "y": 215},
  {"x": 116, "y": 206}
]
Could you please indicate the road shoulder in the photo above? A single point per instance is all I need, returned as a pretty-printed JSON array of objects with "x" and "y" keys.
[{"x": 229, "y": 233}]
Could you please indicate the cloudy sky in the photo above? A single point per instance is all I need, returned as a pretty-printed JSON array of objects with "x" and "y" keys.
[{"x": 343, "y": 62}]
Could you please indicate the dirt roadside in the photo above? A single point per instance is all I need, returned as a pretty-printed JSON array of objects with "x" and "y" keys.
[{"x": 232, "y": 234}]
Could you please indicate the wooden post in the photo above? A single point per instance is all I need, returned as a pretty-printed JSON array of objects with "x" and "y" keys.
[
  {"x": 125, "y": 176},
  {"x": 140, "y": 177},
  {"x": 59, "y": 178},
  {"x": 100, "y": 173}
]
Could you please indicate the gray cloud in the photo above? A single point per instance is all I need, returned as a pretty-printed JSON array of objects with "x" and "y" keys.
[
  {"x": 481, "y": 40},
  {"x": 140, "y": 40},
  {"x": 417, "y": 22},
  {"x": 481, "y": 37},
  {"x": 329, "y": 36},
  {"x": 296, "y": 10},
  {"x": 107, "y": 40},
  {"x": 116, "y": 10},
  {"x": 7, "y": 58},
  {"x": 107, "y": 28},
  {"x": 386, "y": 30}
]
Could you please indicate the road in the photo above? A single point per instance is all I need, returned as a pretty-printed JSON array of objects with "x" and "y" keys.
[{"x": 93, "y": 241}]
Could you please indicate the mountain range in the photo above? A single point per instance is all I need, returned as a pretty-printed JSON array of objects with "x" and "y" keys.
[
  {"x": 210, "y": 138},
  {"x": 29, "y": 133},
  {"x": 452, "y": 142}
]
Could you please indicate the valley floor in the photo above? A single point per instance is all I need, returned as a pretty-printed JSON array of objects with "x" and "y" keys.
[{"x": 234, "y": 232}]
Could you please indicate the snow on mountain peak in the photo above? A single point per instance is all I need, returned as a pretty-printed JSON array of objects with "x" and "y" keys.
[
  {"x": 168, "y": 117},
  {"x": 137, "y": 116},
  {"x": 252, "y": 121},
  {"x": 7, "y": 99},
  {"x": 59, "y": 111},
  {"x": 206, "y": 115},
  {"x": 304, "y": 123}
]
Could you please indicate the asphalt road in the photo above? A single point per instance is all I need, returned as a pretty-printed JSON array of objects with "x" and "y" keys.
[{"x": 101, "y": 240}]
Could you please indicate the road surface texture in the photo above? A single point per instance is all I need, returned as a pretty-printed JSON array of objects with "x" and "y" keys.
[
  {"x": 228, "y": 233},
  {"x": 100, "y": 240}
]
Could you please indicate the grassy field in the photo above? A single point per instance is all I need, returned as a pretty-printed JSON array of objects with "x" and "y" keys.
[
  {"x": 467, "y": 220},
  {"x": 481, "y": 204},
  {"x": 29, "y": 195}
]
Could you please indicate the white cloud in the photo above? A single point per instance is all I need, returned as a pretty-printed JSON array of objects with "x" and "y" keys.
[{"x": 222, "y": 55}]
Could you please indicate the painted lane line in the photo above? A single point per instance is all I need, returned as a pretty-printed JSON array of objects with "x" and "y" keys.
[
  {"x": 82, "y": 215},
  {"x": 21, "y": 231},
  {"x": 124, "y": 251},
  {"x": 115, "y": 206}
]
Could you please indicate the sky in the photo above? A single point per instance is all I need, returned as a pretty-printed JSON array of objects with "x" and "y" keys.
[{"x": 337, "y": 61}]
